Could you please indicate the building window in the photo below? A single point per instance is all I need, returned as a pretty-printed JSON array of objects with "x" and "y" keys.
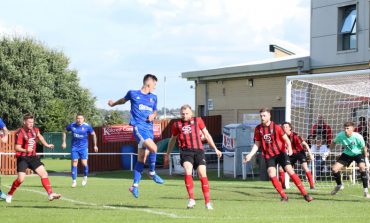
[
  {"x": 278, "y": 114},
  {"x": 201, "y": 110},
  {"x": 347, "y": 28}
]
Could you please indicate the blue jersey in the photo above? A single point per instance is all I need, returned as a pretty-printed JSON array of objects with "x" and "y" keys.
[
  {"x": 142, "y": 105},
  {"x": 2, "y": 124},
  {"x": 80, "y": 135}
]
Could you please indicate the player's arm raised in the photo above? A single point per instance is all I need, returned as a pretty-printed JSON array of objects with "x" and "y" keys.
[
  {"x": 118, "y": 102},
  {"x": 255, "y": 147}
]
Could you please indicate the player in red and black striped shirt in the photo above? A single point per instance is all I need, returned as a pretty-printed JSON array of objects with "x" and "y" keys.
[
  {"x": 25, "y": 147},
  {"x": 186, "y": 132},
  {"x": 272, "y": 139},
  {"x": 299, "y": 153}
]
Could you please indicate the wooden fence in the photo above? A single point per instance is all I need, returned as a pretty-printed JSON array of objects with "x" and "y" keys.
[{"x": 8, "y": 163}]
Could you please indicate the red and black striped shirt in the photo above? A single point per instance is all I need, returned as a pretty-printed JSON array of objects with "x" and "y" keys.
[
  {"x": 271, "y": 138},
  {"x": 27, "y": 139},
  {"x": 296, "y": 141},
  {"x": 188, "y": 133}
]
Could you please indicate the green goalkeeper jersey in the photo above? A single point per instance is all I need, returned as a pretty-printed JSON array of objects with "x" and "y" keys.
[{"x": 353, "y": 145}]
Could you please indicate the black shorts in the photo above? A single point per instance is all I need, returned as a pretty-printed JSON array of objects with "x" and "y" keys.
[
  {"x": 346, "y": 160},
  {"x": 24, "y": 162},
  {"x": 194, "y": 156},
  {"x": 300, "y": 156},
  {"x": 282, "y": 159}
]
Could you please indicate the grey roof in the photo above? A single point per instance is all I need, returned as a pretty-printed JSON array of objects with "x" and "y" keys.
[{"x": 280, "y": 65}]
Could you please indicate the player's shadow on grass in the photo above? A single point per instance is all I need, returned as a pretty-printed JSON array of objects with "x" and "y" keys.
[
  {"x": 40, "y": 186},
  {"x": 128, "y": 206},
  {"x": 48, "y": 207},
  {"x": 331, "y": 198}
]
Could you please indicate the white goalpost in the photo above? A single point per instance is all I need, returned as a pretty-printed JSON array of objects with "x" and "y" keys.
[{"x": 332, "y": 99}]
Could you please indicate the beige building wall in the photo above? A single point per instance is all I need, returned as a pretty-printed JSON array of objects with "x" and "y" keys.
[{"x": 235, "y": 97}]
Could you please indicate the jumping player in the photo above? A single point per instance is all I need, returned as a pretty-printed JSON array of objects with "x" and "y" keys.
[
  {"x": 143, "y": 111},
  {"x": 274, "y": 142},
  {"x": 186, "y": 132}
]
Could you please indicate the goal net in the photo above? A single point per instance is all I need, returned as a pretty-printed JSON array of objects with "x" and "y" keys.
[{"x": 318, "y": 105}]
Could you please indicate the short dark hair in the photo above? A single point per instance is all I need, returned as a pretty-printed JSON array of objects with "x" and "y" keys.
[
  {"x": 348, "y": 124},
  {"x": 362, "y": 119},
  {"x": 27, "y": 116},
  {"x": 265, "y": 110},
  {"x": 287, "y": 123},
  {"x": 147, "y": 76},
  {"x": 80, "y": 114}
]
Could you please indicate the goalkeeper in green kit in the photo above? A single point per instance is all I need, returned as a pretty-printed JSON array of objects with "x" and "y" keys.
[{"x": 354, "y": 150}]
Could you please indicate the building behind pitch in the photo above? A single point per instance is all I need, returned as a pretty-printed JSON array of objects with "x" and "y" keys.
[{"x": 339, "y": 42}]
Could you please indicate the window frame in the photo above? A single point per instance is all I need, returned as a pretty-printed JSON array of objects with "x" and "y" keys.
[{"x": 344, "y": 43}]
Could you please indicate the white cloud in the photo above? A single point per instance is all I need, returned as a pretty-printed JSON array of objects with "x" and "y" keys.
[
  {"x": 17, "y": 30},
  {"x": 111, "y": 56},
  {"x": 112, "y": 43}
]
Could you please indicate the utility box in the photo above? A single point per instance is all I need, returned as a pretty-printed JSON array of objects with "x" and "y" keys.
[{"x": 236, "y": 138}]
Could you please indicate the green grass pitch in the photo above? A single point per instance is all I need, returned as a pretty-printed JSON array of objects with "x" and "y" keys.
[{"x": 106, "y": 199}]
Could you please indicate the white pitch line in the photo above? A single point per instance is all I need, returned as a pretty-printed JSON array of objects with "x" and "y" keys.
[{"x": 171, "y": 215}]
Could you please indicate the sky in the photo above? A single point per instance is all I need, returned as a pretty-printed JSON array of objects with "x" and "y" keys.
[{"x": 114, "y": 43}]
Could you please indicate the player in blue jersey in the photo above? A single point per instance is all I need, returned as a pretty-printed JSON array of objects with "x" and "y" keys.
[
  {"x": 80, "y": 137},
  {"x": 4, "y": 139},
  {"x": 143, "y": 112}
]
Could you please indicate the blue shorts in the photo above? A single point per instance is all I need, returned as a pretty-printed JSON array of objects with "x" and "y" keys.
[
  {"x": 142, "y": 134},
  {"x": 79, "y": 154}
]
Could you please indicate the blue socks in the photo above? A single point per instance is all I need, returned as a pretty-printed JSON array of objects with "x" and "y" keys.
[
  {"x": 152, "y": 158},
  {"x": 74, "y": 172},
  {"x": 139, "y": 167},
  {"x": 86, "y": 170}
]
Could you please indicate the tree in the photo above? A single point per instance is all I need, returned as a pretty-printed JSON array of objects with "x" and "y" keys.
[
  {"x": 114, "y": 117},
  {"x": 37, "y": 80}
]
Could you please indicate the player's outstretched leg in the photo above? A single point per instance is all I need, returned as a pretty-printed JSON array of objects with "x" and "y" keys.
[
  {"x": 300, "y": 187},
  {"x": 310, "y": 179},
  {"x": 275, "y": 182},
  {"x": 139, "y": 167},
  {"x": 152, "y": 174},
  {"x": 15, "y": 185},
  {"x": 47, "y": 186},
  {"x": 338, "y": 180},
  {"x": 282, "y": 178}
]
